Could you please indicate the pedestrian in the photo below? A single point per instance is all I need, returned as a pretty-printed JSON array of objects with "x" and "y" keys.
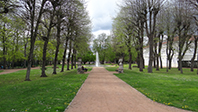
[{"x": 85, "y": 69}]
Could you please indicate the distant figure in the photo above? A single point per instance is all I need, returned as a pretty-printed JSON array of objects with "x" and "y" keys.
[
  {"x": 85, "y": 69},
  {"x": 1, "y": 66}
]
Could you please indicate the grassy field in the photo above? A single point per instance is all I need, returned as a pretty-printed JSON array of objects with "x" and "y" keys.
[
  {"x": 53, "y": 93},
  {"x": 1, "y": 71},
  {"x": 172, "y": 88}
]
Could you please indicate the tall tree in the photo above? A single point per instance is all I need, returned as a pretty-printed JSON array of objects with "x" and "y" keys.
[
  {"x": 152, "y": 9},
  {"x": 126, "y": 29},
  {"x": 59, "y": 18},
  {"x": 48, "y": 24},
  {"x": 195, "y": 52},
  {"x": 30, "y": 8},
  {"x": 184, "y": 29}
]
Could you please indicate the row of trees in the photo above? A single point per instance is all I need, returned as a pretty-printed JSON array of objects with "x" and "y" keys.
[
  {"x": 158, "y": 20},
  {"x": 44, "y": 30}
]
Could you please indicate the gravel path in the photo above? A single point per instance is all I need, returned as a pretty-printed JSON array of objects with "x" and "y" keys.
[{"x": 104, "y": 92}]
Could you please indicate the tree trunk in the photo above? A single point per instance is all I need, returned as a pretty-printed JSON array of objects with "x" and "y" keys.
[
  {"x": 194, "y": 55},
  {"x": 180, "y": 54},
  {"x": 57, "y": 46},
  {"x": 154, "y": 61},
  {"x": 170, "y": 63},
  {"x": 138, "y": 59},
  {"x": 161, "y": 64},
  {"x": 141, "y": 67},
  {"x": 69, "y": 55},
  {"x": 72, "y": 61},
  {"x": 160, "y": 48},
  {"x": 167, "y": 65},
  {"x": 30, "y": 58},
  {"x": 141, "y": 64},
  {"x": 25, "y": 47},
  {"x": 157, "y": 67},
  {"x": 130, "y": 58},
  {"x": 150, "y": 69},
  {"x": 156, "y": 64},
  {"x": 44, "y": 57},
  {"x": 180, "y": 66},
  {"x": 64, "y": 55},
  {"x": 75, "y": 58},
  {"x": 13, "y": 63}
]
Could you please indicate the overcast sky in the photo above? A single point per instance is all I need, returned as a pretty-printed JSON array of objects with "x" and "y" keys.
[{"x": 101, "y": 13}]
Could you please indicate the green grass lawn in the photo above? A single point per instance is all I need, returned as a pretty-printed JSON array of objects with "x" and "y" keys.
[
  {"x": 53, "y": 93},
  {"x": 1, "y": 71},
  {"x": 172, "y": 88}
]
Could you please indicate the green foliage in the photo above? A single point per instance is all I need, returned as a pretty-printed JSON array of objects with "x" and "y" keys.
[
  {"x": 111, "y": 55},
  {"x": 87, "y": 56},
  {"x": 39, "y": 49},
  {"x": 134, "y": 54},
  {"x": 102, "y": 45},
  {"x": 11, "y": 35},
  {"x": 50, "y": 50},
  {"x": 172, "y": 88},
  {"x": 40, "y": 94}
]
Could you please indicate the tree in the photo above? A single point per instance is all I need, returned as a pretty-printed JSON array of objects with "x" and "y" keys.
[
  {"x": 59, "y": 18},
  {"x": 87, "y": 56},
  {"x": 48, "y": 23},
  {"x": 29, "y": 11},
  {"x": 170, "y": 30},
  {"x": 195, "y": 52},
  {"x": 8, "y": 6},
  {"x": 18, "y": 30},
  {"x": 138, "y": 19},
  {"x": 4, "y": 32},
  {"x": 184, "y": 29},
  {"x": 101, "y": 45},
  {"x": 194, "y": 5},
  {"x": 152, "y": 9}
]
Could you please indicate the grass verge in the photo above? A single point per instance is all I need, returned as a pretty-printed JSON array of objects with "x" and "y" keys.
[
  {"x": 172, "y": 88},
  {"x": 53, "y": 93}
]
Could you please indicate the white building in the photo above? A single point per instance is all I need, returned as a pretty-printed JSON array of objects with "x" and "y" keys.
[{"x": 187, "y": 57}]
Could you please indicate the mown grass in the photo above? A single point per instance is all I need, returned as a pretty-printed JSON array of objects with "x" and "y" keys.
[
  {"x": 1, "y": 71},
  {"x": 172, "y": 88},
  {"x": 53, "y": 93}
]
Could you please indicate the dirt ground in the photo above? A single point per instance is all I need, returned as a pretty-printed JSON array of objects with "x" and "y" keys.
[
  {"x": 6, "y": 71},
  {"x": 104, "y": 92}
]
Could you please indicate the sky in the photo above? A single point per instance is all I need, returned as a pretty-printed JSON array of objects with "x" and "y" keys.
[{"x": 101, "y": 13}]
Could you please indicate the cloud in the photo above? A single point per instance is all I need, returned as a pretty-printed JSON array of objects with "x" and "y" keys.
[
  {"x": 96, "y": 33},
  {"x": 101, "y": 13}
]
